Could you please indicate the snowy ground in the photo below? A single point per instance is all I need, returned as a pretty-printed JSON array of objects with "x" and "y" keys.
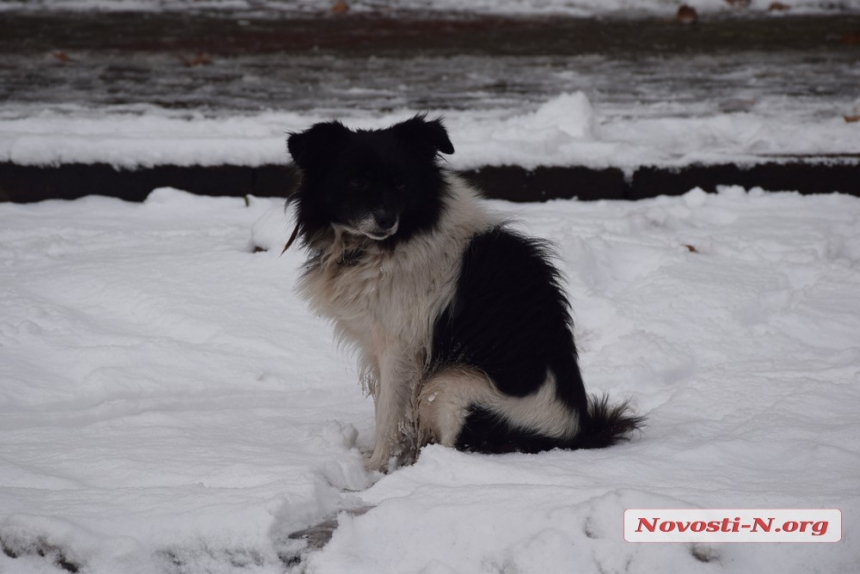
[{"x": 167, "y": 404}]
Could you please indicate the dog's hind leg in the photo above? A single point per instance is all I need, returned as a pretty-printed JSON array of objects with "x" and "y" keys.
[
  {"x": 444, "y": 402},
  {"x": 462, "y": 408}
]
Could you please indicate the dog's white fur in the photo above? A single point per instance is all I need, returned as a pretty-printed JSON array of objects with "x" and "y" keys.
[{"x": 386, "y": 304}]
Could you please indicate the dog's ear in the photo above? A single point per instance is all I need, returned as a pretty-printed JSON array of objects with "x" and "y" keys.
[
  {"x": 430, "y": 137},
  {"x": 315, "y": 142}
]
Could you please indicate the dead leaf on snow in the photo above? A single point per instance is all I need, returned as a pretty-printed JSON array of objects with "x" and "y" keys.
[
  {"x": 340, "y": 8},
  {"x": 687, "y": 15},
  {"x": 200, "y": 59}
]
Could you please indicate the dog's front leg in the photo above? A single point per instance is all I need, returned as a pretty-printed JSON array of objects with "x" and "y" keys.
[{"x": 395, "y": 435}]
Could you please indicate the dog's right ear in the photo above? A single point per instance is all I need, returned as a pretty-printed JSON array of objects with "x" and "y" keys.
[
  {"x": 315, "y": 142},
  {"x": 430, "y": 137}
]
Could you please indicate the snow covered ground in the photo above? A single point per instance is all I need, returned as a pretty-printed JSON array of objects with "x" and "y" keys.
[{"x": 168, "y": 405}]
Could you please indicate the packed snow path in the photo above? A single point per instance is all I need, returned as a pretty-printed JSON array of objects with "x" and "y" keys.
[{"x": 168, "y": 405}]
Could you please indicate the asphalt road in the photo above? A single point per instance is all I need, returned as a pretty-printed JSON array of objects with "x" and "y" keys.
[{"x": 223, "y": 61}]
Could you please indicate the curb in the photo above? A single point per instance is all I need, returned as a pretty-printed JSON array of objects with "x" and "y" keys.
[{"x": 26, "y": 184}]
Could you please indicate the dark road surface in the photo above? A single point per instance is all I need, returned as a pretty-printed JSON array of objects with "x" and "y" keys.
[{"x": 223, "y": 62}]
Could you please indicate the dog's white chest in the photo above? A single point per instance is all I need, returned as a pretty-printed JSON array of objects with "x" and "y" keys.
[
  {"x": 395, "y": 296},
  {"x": 347, "y": 290}
]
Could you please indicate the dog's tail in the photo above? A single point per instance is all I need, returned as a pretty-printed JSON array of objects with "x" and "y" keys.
[{"x": 607, "y": 424}]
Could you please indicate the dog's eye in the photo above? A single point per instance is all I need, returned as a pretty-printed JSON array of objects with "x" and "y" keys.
[{"x": 358, "y": 184}]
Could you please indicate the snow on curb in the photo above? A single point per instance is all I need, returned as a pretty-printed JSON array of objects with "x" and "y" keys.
[
  {"x": 566, "y": 130},
  {"x": 503, "y": 7}
]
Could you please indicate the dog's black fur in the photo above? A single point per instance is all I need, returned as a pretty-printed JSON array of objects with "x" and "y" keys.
[
  {"x": 510, "y": 320},
  {"x": 380, "y": 197}
]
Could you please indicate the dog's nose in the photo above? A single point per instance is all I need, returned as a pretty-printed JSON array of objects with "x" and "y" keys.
[{"x": 385, "y": 220}]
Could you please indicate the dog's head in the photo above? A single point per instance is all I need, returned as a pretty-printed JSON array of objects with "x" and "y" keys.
[{"x": 382, "y": 185}]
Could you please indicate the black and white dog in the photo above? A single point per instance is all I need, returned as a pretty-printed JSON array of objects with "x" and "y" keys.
[{"x": 463, "y": 330}]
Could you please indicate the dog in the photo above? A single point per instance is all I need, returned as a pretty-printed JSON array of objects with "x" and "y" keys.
[{"x": 462, "y": 328}]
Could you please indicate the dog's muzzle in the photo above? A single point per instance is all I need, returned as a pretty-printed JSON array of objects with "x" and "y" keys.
[
  {"x": 383, "y": 231},
  {"x": 378, "y": 226},
  {"x": 386, "y": 225}
]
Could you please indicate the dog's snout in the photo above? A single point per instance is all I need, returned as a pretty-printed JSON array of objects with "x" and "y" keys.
[{"x": 384, "y": 219}]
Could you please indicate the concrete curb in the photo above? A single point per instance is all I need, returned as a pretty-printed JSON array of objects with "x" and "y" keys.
[{"x": 24, "y": 184}]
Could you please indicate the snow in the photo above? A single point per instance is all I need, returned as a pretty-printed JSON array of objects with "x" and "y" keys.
[
  {"x": 495, "y": 7},
  {"x": 167, "y": 404},
  {"x": 566, "y": 129}
]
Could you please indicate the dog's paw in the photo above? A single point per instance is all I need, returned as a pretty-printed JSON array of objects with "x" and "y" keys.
[
  {"x": 386, "y": 462},
  {"x": 380, "y": 462}
]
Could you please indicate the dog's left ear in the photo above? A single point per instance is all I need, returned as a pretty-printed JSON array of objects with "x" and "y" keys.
[{"x": 430, "y": 136}]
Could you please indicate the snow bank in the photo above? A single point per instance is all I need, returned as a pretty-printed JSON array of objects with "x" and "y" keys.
[
  {"x": 503, "y": 7},
  {"x": 167, "y": 404},
  {"x": 565, "y": 130}
]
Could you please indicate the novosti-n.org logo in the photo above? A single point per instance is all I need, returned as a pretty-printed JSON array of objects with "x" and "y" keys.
[{"x": 732, "y": 525}]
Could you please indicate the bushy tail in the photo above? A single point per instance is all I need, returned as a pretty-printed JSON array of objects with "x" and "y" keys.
[{"x": 608, "y": 424}]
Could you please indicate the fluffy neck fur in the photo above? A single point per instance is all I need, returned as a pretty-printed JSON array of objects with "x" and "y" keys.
[{"x": 385, "y": 299}]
